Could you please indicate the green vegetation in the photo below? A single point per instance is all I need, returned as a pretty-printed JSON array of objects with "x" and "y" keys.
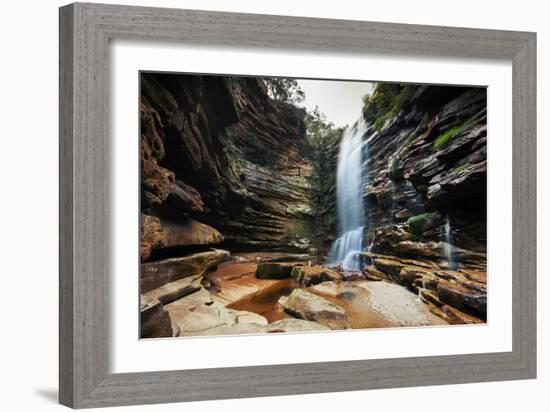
[
  {"x": 420, "y": 128},
  {"x": 386, "y": 102},
  {"x": 394, "y": 167},
  {"x": 247, "y": 210},
  {"x": 445, "y": 138},
  {"x": 285, "y": 90},
  {"x": 461, "y": 168},
  {"x": 420, "y": 223},
  {"x": 319, "y": 132},
  {"x": 415, "y": 219},
  {"x": 323, "y": 141},
  {"x": 412, "y": 135},
  {"x": 298, "y": 273}
]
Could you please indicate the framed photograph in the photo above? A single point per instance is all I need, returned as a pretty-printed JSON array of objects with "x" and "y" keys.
[{"x": 258, "y": 205}]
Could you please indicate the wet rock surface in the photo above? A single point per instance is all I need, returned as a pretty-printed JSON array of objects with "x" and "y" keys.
[{"x": 306, "y": 305}]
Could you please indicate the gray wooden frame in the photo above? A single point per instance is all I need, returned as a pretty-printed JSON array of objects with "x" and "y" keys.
[{"x": 85, "y": 31}]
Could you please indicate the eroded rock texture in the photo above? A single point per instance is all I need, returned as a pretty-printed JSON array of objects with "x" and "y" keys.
[
  {"x": 222, "y": 165},
  {"x": 428, "y": 164},
  {"x": 218, "y": 150}
]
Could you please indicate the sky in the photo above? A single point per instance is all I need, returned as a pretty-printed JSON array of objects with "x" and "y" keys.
[{"x": 340, "y": 101}]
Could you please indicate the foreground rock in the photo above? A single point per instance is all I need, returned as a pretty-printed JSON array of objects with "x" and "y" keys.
[
  {"x": 312, "y": 275},
  {"x": 306, "y": 305},
  {"x": 295, "y": 325},
  {"x": 155, "y": 321},
  {"x": 198, "y": 314},
  {"x": 464, "y": 290},
  {"x": 398, "y": 306},
  {"x": 156, "y": 274}
]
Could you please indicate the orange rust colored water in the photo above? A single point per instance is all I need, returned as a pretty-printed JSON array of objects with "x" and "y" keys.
[{"x": 368, "y": 304}]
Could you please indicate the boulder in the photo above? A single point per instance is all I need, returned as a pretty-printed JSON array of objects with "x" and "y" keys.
[
  {"x": 273, "y": 270},
  {"x": 311, "y": 275},
  {"x": 158, "y": 273},
  {"x": 306, "y": 305},
  {"x": 152, "y": 236},
  {"x": 331, "y": 289},
  {"x": 155, "y": 321},
  {"x": 295, "y": 325}
]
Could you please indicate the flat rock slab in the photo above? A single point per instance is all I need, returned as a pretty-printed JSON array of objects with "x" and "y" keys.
[
  {"x": 398, "y": 306},
  {"x": 306, "y": 305},
  {"x": 158, "y": 273},
  {"x": 175, "y": 290}
]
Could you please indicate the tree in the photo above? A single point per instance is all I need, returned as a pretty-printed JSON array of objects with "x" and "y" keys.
[
  {"x": 320, "y": 132},
  {"x": 285, "y": 90}
]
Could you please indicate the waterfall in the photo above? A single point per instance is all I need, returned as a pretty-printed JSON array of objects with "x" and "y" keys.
[
  {"x": 449, "y": 245},
  {"x": 349, "y": 185}
]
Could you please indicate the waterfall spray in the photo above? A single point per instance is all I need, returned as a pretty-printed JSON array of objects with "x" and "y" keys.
[
  {"x": 349, "y": 185},
  {"x": 449, "y": 245}
]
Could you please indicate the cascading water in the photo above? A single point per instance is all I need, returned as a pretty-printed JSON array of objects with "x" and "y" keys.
[
  {"x": 349, "y": 184},
  {"x": 449, "y": 245}
]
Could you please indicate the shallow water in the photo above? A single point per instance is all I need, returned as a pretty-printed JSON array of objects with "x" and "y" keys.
[
  {"x": 368, "y": 304},
  {"x": 264, "y": 302}
]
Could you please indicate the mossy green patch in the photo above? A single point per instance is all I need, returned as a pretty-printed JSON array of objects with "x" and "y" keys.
[
  {"x": 446, "y": 137},
  {"x": 386, "y": 102},
  {"x": 420, "y": 223},
  {"x": 461, "y": 168}
]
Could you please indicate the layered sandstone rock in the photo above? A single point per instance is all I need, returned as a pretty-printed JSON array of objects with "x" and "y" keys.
[
  {"x": 306, "y": 305},
  {"x": 158, "y": 273},
  {"x": 155, "y": 321},
  {"x": 219, "y": 150}
]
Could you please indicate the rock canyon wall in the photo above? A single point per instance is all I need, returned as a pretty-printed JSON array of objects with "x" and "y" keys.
[
  {"x": 222, "y": 163},
  {"x": 226, "y": 169},
  {"x": 427, "y": 164}
]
